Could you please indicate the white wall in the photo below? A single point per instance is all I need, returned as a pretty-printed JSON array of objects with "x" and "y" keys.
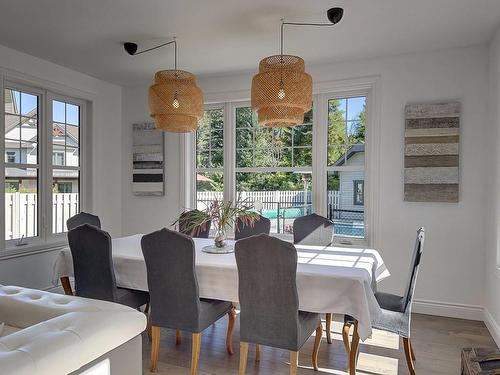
[
  {"x": 105, "y": 143},
  {"x": 453, "y": 263},
  {"x": 492, "y": 300},
  {"x": 145, "y": 214}
]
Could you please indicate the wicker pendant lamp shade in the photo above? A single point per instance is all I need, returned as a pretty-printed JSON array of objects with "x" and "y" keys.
[
  {"x": 281, "y": 91},
  {"x": 175, "y": 101}
]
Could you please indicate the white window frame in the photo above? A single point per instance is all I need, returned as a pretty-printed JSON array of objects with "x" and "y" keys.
[
  {"x": 46, "y": 91},
  {"x": 365, "y": 86}
]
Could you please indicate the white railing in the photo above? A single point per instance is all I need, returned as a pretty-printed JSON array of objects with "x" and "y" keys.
[
  {"x": 21, "y": 213},
  {"x": 269, "y": 199}
]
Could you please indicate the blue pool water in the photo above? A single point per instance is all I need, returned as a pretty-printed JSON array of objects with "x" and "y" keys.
[{"x": 349, "y": 229}]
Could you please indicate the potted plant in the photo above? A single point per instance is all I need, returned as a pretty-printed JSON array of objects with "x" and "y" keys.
[{"x": 223, "y": 215}]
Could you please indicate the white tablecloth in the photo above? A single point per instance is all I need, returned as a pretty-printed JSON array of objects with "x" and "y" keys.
[{"x": 329, "y": 279}]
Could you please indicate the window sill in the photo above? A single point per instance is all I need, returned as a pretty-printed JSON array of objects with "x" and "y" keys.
[{"x": 31, "y": 249}]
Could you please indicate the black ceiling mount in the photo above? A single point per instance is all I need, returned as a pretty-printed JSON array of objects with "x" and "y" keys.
[
  {"x": 335, "y": 15},
  {"x": 130, "y": 47}
]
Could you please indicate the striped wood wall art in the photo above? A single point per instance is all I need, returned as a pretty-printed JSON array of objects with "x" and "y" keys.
[
  {"x": 432, "y": 138},
  {"x": 148, "y": 160}
]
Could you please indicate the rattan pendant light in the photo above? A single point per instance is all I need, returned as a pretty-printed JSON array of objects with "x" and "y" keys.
[
  {"x": 175, "y": 101},
  {"x": 282, "y": 90}
]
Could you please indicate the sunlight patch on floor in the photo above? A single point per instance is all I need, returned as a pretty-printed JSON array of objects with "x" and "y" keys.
[{"x": 376, "y": 364}]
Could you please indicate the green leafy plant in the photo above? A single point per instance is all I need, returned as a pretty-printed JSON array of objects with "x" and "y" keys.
[{"x": 222, "y": 214}]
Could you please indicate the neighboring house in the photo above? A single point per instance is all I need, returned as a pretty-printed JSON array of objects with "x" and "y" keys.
[
  {"x": 352, "y": 183},
  {"x": 21, "y": 137}
]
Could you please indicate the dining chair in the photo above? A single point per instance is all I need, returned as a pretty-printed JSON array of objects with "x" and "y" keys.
[
  {"x": 185, "y": 227},
  {"x": 83, "y": 218},
  {"x": 244, "y": 229},
  {"x": 269, "y": 303},
  {"x": 396, "y": 313},
  {"x": 315, "y": 230},
  {"x": 175, "y": 299},
  {"x": 93, "y": 268}
]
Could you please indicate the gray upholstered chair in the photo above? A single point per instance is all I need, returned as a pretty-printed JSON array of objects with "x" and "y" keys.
[
  {"x": 396, "y": 313},
  {"x": 175, "y": 299},
  {"x": 262, "y": 225},
  {"x": 267, "y": 270},
  {"x": 201, "y": 231},
  {"x": 83, "y": 218},
  {"x": 315, "y": 230},
  {"x": 93, "y": 268}
]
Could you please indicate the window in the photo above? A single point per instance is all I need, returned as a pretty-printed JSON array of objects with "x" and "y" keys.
[
  {"x": 274, "y": 168},
  {"x": 284, "y": 173},
  {"x": 65, "y": 162},
  {"x": 210, "y": 157},
  {"x": 22, "y": 167},
  {"x": 345, "y": 165},
  {"x": 358, "y": 187},
  {"x": 42, "y": 160}
]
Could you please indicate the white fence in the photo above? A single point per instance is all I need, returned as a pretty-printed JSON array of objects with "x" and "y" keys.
[
  {"x": 270, "y": 199},
  {"x": 21, "y": 213}
]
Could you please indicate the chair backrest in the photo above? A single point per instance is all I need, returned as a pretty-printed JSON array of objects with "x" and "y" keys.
[
  {"x": 83, "y": 218},
  {"x": 261, "y": 225},
  {"x": 92, "y": 262},
  {"x": 267, "y": 270},
  {"x": 172, "y": 281},
  {"x": 201, "y": 231},
  {"x": 414, "y": 266},
  {"x": 313, "y": 230}
]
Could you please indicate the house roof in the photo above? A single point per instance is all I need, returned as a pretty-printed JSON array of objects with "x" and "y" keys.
[{"x": 353, "y": 150}]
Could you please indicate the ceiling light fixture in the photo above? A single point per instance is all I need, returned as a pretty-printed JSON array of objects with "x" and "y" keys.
[
  {"x": 175, "y": 101},
  {"x": 282, "y": 90}
]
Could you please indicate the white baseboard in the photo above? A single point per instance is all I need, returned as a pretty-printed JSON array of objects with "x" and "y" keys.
[
  {"x": 492, "y": 326},
  {"x": 449, "y": 310}
]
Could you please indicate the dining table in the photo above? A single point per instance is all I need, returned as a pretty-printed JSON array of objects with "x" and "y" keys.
[{"x": 330, "y": 279}]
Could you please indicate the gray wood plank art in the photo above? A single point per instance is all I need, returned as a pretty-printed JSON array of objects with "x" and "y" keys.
[
  {"x": 148, "y": 177},
  {"x": 432, "y": 138}
]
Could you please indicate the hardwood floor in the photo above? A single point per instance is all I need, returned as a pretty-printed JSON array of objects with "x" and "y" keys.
[{"x": 437, "y": 342}]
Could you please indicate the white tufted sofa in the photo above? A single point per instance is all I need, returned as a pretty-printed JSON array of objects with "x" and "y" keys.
[{"x": 48, "y": 333}]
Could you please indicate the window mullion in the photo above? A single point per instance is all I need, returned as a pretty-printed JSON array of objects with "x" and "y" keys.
[{"x": 2, "y": 152}]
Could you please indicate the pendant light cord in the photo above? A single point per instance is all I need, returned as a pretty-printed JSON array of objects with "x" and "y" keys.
[
  {"x": 283, "y": 23},
  {"x": 174, "y": 42}
]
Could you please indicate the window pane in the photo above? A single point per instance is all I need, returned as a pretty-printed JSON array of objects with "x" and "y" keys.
[
  {"x": 302, "y": 157},
  {"x": 337, "y": 109},
  {"x": 279, "y": 196},
  {"x": 302, "y": 135},
  {"x": 29, "y": 152},
  {"x": 65, "y": 197},
  {"x": 336, "y": 155},
  {"x": 12, "y": 151},
  {"x": 245, "y": 117},
  {"x": 29, "y": 105},
  {"x": 217, "y": 158},
  {"x": 58, "y": 111},
  {"x": 29, "y": 129},
  {"x": 203, "y": 159},
  {"x": 21, "y": 203},
  {"x": 209, "y": 186},
  {"x": 72, "y": 157},
  {"x": 12, "y": 101},
  {"x": 244, "y": 158},
  {"x": 244, "y": 138},
  {"x": 72, "y": 114},
  {"x": 12, "y": 127},
  {"x": 355, "y": 108}
]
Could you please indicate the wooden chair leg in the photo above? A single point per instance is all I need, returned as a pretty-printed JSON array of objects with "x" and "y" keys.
[
  {"x": 178, "y": 337},
  {"x": 412, "y": 352},
  {"x": 195, "y": 353},
  {"x": 345, "y": 338},
  {"x": 317, "y": 343},
  {"x": 353, "y": 353},
  {"x": 294, "y": 362},
  {"x": 329, "y": 328},
  {"x": 257, "y": 352},
  {"x": 230, "y": 328},
  {"x": 409, "y": 361},
  {"x": 66, "y": 286},
  {"x": 243, "y": 357},
  {"x": 155, "y": 347},
  {"x": 149, "y": 328}
]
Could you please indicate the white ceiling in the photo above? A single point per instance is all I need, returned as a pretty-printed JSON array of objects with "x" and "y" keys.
[{"x": 222, "y": 36}]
